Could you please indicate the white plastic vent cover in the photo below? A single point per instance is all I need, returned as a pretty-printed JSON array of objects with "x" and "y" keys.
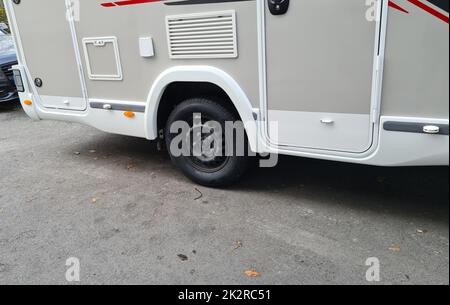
[{"x": 203, "y": 35}]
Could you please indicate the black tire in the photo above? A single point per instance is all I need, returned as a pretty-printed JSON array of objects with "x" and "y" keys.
[{"x": 222, "y": 171}]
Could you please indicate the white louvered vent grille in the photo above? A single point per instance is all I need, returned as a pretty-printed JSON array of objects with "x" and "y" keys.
[{"x": 205, "y": 35}]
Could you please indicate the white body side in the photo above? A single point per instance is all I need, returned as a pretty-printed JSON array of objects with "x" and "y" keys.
[{"x": 339, "y": 130}]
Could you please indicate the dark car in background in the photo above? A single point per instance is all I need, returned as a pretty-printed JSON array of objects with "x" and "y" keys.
[{"x": 8, "y": 59}]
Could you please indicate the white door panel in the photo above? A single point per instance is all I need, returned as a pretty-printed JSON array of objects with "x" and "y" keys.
[
  {"x": 320, "y": 57},
  {"x": 49, "y": 53}
]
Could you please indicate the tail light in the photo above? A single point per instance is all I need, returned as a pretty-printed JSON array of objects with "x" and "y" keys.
[{"x": 18, "y": 81}]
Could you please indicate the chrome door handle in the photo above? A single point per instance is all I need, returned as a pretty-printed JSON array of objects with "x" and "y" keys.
[
  {"x": 431, "y": 129},
  {"x": 327, "y": 121}
]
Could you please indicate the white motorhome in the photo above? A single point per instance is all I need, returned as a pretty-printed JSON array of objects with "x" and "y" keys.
[{"x": 361, "y": 81}]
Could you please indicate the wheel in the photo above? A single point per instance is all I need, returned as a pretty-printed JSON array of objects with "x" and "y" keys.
[{"x": 210, "y": 165}]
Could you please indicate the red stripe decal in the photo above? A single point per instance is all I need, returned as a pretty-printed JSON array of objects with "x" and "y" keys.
[
  {"x": 398, "y": 7},
  {"x": 127, "y": 2},
  {"x": 417, "y": 3},
  {"x": 430, "y": 10}
]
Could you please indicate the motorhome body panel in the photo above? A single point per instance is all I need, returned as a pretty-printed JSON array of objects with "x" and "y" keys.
[
  {"x": 49, "y": 53},
  {"x": 416, "y": 73},
  {"x": 129, "y": 23},
  {"x": 144, "y": 78}
]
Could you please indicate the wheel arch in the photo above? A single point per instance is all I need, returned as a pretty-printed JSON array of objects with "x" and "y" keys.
[{"x": 200, "y": 74}]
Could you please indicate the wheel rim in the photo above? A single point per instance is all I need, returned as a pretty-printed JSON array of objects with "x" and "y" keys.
[{"x": 210, "y": 159}]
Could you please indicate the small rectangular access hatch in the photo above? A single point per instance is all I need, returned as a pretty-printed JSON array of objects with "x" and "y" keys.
[{"x": 102, "y": 58}]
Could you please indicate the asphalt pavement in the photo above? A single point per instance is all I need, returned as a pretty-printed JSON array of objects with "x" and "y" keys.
[{"x": 120, "y": 207}]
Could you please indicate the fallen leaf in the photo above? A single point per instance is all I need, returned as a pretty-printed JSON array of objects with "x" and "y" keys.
[
  {"x": 77, "y": 153},
  {"x": 252, "y": 273},
  {"x": 94, "y": 200},
  {"x": 130, "y": 166},
  {"x": 92, "y": 151},
  {"x": 420, "y": 231},
  {"x": 237, "y": 245},
  {"x": 395, "y": 248}
]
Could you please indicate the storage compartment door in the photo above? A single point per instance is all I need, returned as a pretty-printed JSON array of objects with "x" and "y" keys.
[
  {"x": 320, "y": 57},
  {"x": 49, "y": 53}
]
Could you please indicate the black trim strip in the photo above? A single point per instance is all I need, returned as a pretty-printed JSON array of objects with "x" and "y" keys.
[
  {"x": 442, "y": 4},
  {"x": 118, "y": 107},
  {"x": 193, "y": 2},
  {"x": 414, "y": 127}
]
